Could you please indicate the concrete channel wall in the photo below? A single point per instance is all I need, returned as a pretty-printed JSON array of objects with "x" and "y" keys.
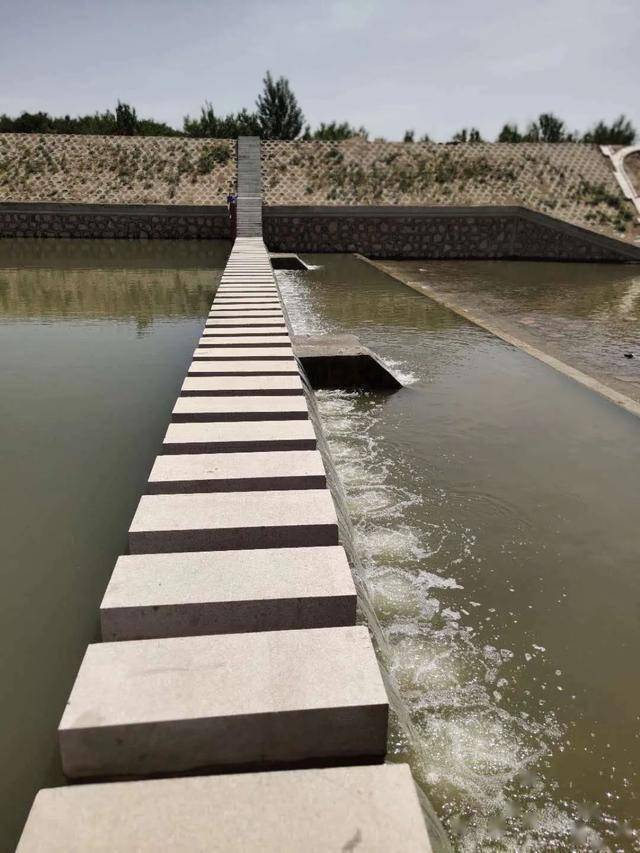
[{"x": 229, "y": 633}]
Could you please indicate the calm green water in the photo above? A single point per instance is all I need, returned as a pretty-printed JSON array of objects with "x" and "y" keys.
[
  {"x": 495, "y": 506},
  {"x": 95, "y": 339}
]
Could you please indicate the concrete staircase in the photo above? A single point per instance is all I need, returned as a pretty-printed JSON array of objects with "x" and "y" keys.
[{"x": 229, "y": 635}]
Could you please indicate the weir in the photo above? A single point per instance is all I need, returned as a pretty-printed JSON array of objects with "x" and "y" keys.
[{"x": 229, "y": 632}]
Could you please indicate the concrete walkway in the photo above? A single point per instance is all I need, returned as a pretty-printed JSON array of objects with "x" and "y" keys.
[{"x": 229, "y": 632}]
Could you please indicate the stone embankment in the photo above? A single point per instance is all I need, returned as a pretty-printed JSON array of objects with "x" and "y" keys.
[
  {"x": 387, "y": 200},
  {"x": 229, "y": 633}
]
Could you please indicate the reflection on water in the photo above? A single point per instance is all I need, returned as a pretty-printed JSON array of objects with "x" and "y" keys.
[
  {"x": 95, "y": 338},
  {"x": 108, "y": 279},
  {"x": 585, "y": 314},
  {"x": 494, "y": 506}
]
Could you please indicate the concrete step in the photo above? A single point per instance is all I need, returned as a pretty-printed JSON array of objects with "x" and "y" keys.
[
  {"x": 230, "y": 386},
  {"x": 238, "y": 342},
  {"x": 241, "y": 437},
  {"x": 258, "y": 471},
  {"x": 232, "y": 520},
  {"x": 230, "y": 302},
  {"x": 227, "y": 592},
  {"x": 371, "y": 809},
  {"x": 256, "y": 353},
  {"x": 221, "y": 310},
  {"x": 215, "y": 409},
  {"x": 239, "y": 322},
  {"x": 210, "y": 335},
  {"x": 274, "y": 314},
  {"x": 236, "y": 367},
  {"x": 266, "y": 699}
]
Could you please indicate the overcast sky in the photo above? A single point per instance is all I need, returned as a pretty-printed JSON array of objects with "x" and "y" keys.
[{"x": 432, "y": 65}]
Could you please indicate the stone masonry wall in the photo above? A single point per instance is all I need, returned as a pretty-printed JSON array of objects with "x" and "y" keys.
[
  {"x": 114, "y": 222},
  {"x": 483, "y": 233}
]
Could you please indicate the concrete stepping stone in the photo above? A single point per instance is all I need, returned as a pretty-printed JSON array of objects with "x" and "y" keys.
[
  {"x": 245, "y": 311},
  {"x": 236, "y": 367},
  {"x": 241, "y": 437},
  {"x": 244, "y": 353},
  {"x": 231, "y": 520},
  {"x": 244, "y": 331},
  {"x": 227, "y": 592},
  {"x": 216, "y": 409},
  {"x": 240, "y": 322},
  {"x": 373, "y": 809},
  {"x": 253, "y": 386},
  {"x": 230, "y": 303},
  {"x": 258, "y": 471},
  {"x": 265, "y": 699},
  {"x": 247, "y": 314},
  {"x": 238, "y": 341}
]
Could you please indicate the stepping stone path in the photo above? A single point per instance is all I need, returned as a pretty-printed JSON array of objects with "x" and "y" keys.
[{"x": 229, "y": 631}]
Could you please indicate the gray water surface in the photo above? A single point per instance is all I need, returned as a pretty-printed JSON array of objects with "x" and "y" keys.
[
  {"x": 95, "y": 339},
  {"x": 587, "y": 315},
  {"x": 495, "y": 506}
]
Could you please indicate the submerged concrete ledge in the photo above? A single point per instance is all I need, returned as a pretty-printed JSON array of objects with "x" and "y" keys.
[
  {"x": 373, "y": 809},
  {"x": 341, "y": 361},
  {"x": 277, "y": 698}
]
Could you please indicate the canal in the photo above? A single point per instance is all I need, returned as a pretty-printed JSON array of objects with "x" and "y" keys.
[
  {"x": 495, "y": 505},
  {"x": 95, "y": 339}
]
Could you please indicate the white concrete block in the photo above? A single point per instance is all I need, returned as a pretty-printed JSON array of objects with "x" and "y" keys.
[
  {"x": 213, "y": 409},
  {"x": 230, "y": 313},
  {"x": 372, "y": 809},
  {"x": 265, "y": 699},
  {"x": 237, "y": 385},
  {"x": 242, "y": 341},
  {"x": 244, "y": 353},
  {"x": 232, "y": 520},
  {"x": 236, "y": 367},
  {"x": 239, "y": 437},
  {"x": 210, "y": 336},
  {"x": 239, "y": 322},
  {"x": 227, "y": 592},
  {"x": 259, "y": 471}
]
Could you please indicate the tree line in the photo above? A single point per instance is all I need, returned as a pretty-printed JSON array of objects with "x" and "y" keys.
[{"x": 278, "y": 115}]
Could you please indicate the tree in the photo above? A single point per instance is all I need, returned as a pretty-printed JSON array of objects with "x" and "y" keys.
[
  {"x": 464, "y": 135},
  {"x": 334, "y": 132},
  {"x": 126, "y": 120},
  {"x": 409, "y": 136},
  {"x": 548, "y": 128},
  {"x": 231, "y": 126},
  {"x": 620, "y": 132},
  {"x": 509, "y": 133},
  {"x": 278, "y": 112}
]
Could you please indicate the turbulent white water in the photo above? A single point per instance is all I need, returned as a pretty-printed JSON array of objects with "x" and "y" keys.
[{"x": 474, "y": 748}]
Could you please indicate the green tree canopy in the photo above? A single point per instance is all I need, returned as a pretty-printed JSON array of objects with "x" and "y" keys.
[
  {"x": 230, "y": 126},
  {"x": 464, "y": 135},
  {"x": 335, "y": 132},
  {"x": 620, "y": 132},
  {"x": 278, "y": 112}
]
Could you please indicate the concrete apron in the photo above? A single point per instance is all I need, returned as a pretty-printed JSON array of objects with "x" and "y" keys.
[{"x": 229, "y": 636}]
